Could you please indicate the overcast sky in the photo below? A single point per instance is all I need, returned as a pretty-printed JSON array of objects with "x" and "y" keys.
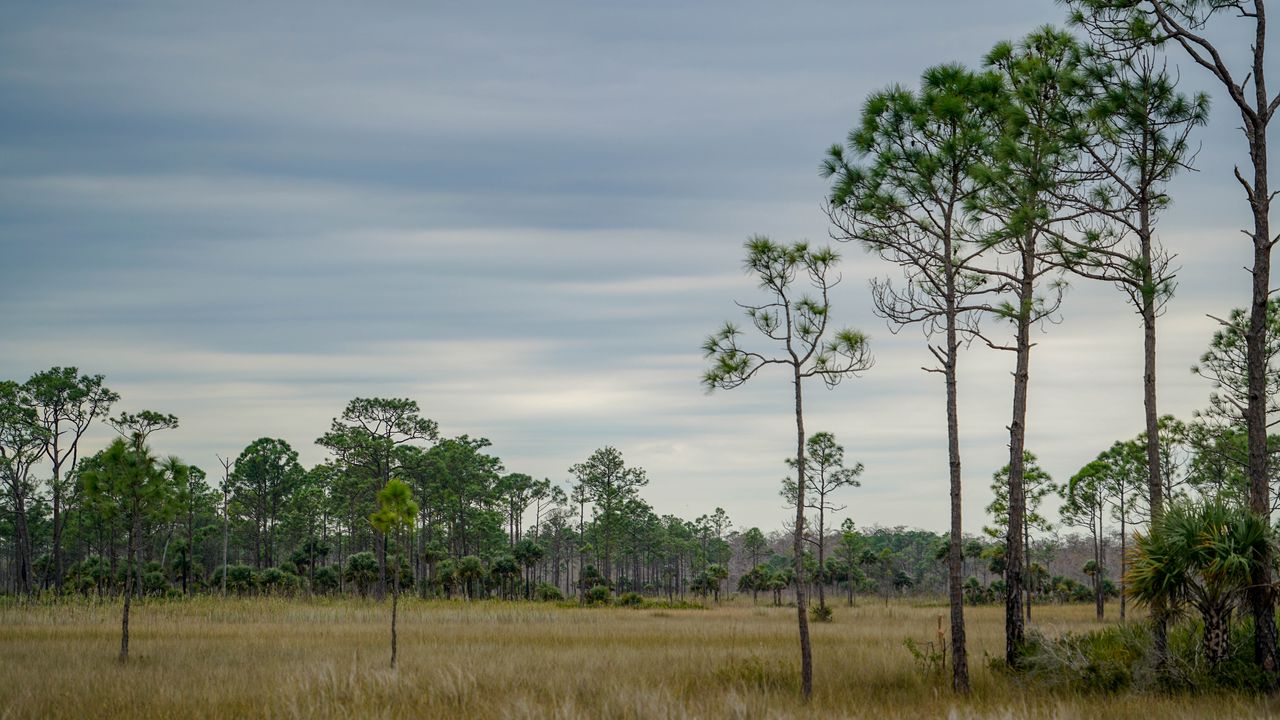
[{"x": 527, "y": 217}]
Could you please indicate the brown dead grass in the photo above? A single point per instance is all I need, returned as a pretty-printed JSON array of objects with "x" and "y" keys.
[{"x": 209, "y": 658}]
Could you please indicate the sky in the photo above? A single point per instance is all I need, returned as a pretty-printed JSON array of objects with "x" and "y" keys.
[{"x": 527, "y": 217}]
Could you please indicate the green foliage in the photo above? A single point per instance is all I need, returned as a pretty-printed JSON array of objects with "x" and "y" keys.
[
  {"x": 800, "y": 324},
  {"x": 1103, "y": 661},
  {"x": 1201, "y": 555},
  {"x": 362, "y": 571},
  {"x": 821, "y": 613},
  {"x": 266, "y": 474},
  {"x": 598, "y": 595},
  {"x": 326, "y": 580},
  {"x": 239, "y": 578},
  {"x": 154, "y": 583},
  {"x": 274, "y": 581},
  {"x": 471, "y": 573},
  {"x": 1225, "y": 365},
  {"x": 546, "y": 592},
  {"x": 929, "y": 658},
  {"x": 630, "y": 599},
  {"x": 591, "y": 577},
  {"x": 1037, "y": 485},
  {"x": 1121, "y": 658}
]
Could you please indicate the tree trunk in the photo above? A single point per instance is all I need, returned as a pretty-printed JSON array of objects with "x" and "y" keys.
[
  {"x": 226, "y": 533},
  {"x": 395, "y": 603},
  {"x": 955, "y": 553},
  {"x": 1216, "y": 638},
  {"x": 128, "y": 588},
  {"x": 822, "y": 564},
  {"x": 1026, "y": 548},
  {"x": 1155, "y": 481},
  {"x": 1015, "y": 629},
  {"x": 1124, "y": 547},
  {"x": 22, "y": 544},
  {"x": 1261, "y": 596},
  {"x": 58, "y": 518},
  {"x": 806, "y": 652},
  {"x": 1097, "y": 569}
]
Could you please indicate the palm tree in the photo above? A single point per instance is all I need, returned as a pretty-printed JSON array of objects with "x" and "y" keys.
[
  {"x": 396, "y": 512},
  {"x": 1202, "y": 555},
  {"x": 528, "y": 552},
  {"x": 470, "y": 572},
  {"x": 504, "y": 571}
]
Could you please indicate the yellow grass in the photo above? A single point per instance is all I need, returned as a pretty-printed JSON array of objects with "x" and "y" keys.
[{"x": 209, "y": 658}]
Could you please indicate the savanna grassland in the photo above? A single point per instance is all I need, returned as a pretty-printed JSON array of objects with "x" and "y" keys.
[{"x": 209, "y": 658}]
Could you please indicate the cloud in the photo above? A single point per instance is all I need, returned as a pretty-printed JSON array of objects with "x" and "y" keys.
[{"x": 527, "y": 218}]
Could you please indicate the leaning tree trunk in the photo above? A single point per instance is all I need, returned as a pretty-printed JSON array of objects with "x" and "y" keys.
[{"x": 806, "y": 652}]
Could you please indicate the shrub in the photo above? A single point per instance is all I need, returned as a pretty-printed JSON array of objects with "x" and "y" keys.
[
  {"x": 154, "y": 583},
  {"x": 821, "y": 613},
  {"x": 598, "y": 595},
  {"x": 547, "y": 592},
  {"x": 274, "y": 581},
  {"x": 1120, "y": 657},
  {"x": 362, "y": 571},
  {"x": 326, "y": 580},
  {"x": 239, "y": 578},
  {"x": 631, "y": 599}
]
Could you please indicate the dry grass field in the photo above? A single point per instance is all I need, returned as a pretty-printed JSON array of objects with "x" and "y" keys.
[{"x": 318, "y": 659}]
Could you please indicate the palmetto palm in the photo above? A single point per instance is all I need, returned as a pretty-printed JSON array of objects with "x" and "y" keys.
[{"x": 1200, "y": 555}]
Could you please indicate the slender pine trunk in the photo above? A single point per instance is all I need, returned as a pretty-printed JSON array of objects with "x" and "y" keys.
[
  {"x": 955, "y": 552},
  {"x": 802, "y": 615},
  {"x": 1099, "y": 606},
  {"x": 1155, "y": 481},
  {"x": 128, "y": 586},
  {"x": 395, "y": 604},
  {"x": 58, "y": 517},
  {"x": 1015, "y": 628},
  {"x": 1261, "y": 594}
]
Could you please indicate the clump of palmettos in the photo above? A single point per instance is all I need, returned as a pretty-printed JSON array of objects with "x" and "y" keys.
[
  {"x": 1203, "y": 556},
  {"x": 798, "y": 324}
]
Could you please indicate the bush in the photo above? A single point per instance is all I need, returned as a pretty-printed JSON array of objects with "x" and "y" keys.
[
  {"x": 239, "y": 578},
  {"x": 821, "y": 613},
  {"x": 362, "y": 571},
  {"x": 598, "y": 595},
  {"x": 326, "y": 580},
  {"x": 154, "y": 583},
  {"x": 631, "y": 599},
  {"x": 274, "y": 581},
  {"x": 547, "y": 592},
  {"x": 1120, "y": 657}
]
